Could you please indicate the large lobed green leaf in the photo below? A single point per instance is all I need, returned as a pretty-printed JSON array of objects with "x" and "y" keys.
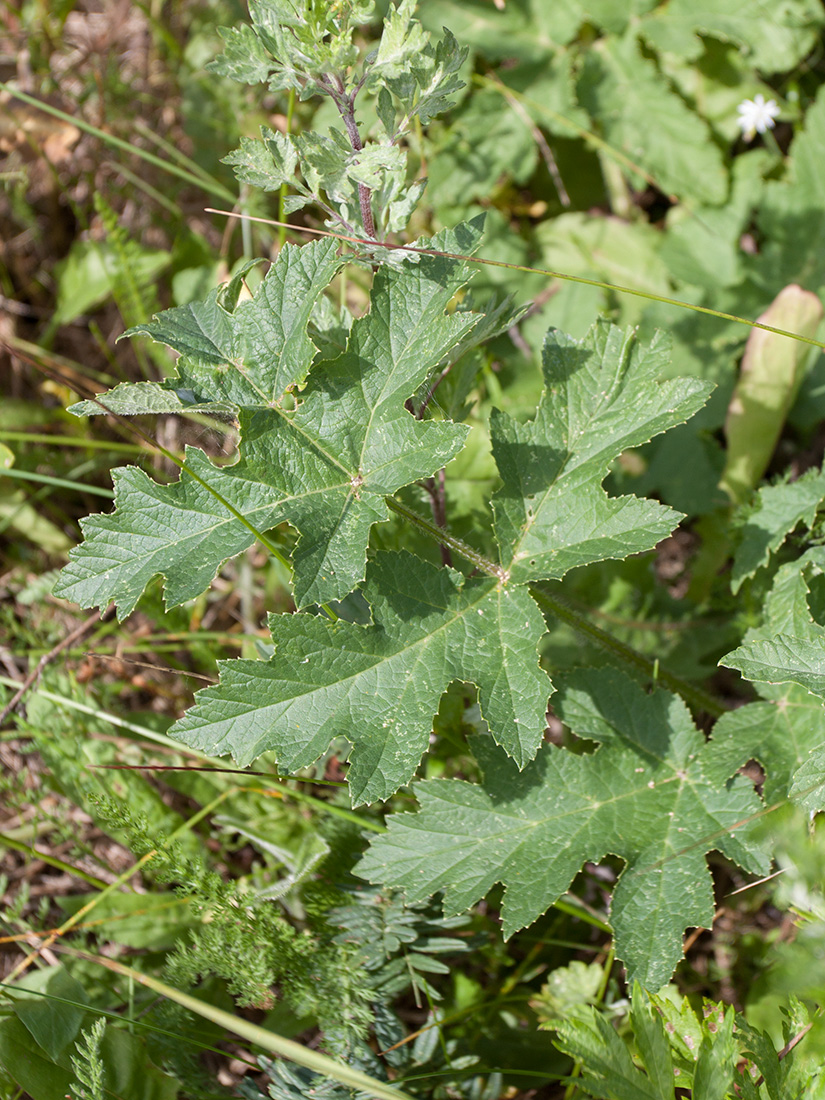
[
  {"x": 602, "y": 395},
  {"x": 379, "y": 687},
  {"x": 643, "y": 795},
  {"x": 324, "y": 466}
]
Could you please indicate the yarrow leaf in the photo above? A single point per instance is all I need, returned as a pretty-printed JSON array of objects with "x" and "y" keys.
[{"x": 643, "y": 795}]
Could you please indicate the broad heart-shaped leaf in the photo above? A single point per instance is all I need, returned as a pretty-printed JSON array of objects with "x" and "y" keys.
[
  {"x": 643, "y": 796},
  {"x": 792, "y": 213},
  {"x": 325, "y": 466},
  {"x": 602, "y": 395},
  {"x": 379, "y": 685},
  {"x": 648, "y": 122},
  {"x": 774, "y": 38}
]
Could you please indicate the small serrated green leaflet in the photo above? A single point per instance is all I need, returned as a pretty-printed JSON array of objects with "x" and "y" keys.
[
  {"x": 267, "y": 162},
  {"x": 607, "y": 1069},
  {"x": 778, "y": 511},
  {"x": 402, "y": 39},
  {"x": 244, "y": 58},
  {"x": 379, "y": 685},
  {"x": 716, "y": 1064},
  {"x": 652, "y": 1043},
  {"x": 783, "y": 659},
  {"x": 182, "y": 531},
  {"x": 602, "y": 395},
  {"x": 643, "y": 795}
]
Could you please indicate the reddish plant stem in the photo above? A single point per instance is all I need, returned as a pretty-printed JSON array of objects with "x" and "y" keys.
[{"x": 346, "y": 108}]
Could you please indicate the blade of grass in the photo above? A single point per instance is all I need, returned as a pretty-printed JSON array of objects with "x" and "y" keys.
[
  {"x": 72, "y": 441},
  {"x": 213, "y": 763},
  {"x": 58, "y": 482},
  {"x": 172, "y": 169},
  {"x": 268, "y": 1040},
  {"x": 35, "y": 853},
  {"x": 116, "y": 1017},
  {"x": 147, "y": 188},
  {"x": 51, "y": 358},
  {"x": 647, "y": 295},
  {"x": 176, "y": 154}
]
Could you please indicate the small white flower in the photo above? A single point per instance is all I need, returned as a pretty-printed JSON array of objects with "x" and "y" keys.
[{"x": 756, "y": 116}]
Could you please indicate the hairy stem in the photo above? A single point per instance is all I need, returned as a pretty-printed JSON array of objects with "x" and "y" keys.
[
  {"x": 435, "y": 486},
  {"x": 555, "y": 604},
  {"x": 346, "y": 108},
  {"x": 484, "y": 565}
]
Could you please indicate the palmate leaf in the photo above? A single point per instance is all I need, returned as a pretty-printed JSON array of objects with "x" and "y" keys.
[
  {"x": 643, "y": 795},
  {"x": 602, "y": 396},
  {"x": 325, "y": 466},
  {"x": 380, "y": 687}
]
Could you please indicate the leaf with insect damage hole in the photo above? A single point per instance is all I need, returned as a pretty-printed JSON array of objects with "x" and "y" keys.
[{"x": 787, "y": 724}]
